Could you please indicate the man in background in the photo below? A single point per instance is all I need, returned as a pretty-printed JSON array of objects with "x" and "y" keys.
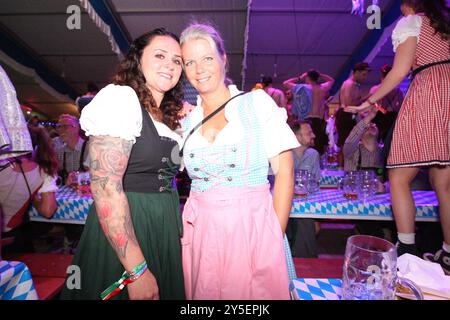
[
  {"x": 71, "y": 148},
  {"x": 391, "y": 103},
  {"x": 302, "y": 232},
  {"x": 350, "y": 94},
  {"x": 319, "y": 85},
  {"x": 84, "y": 100}
]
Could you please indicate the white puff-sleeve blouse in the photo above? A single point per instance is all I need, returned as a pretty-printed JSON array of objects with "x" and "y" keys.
[
  {"x": 406, "y": 27},
  {"x": 115, "y": 111},
  {"x": 277, "y": 135}
]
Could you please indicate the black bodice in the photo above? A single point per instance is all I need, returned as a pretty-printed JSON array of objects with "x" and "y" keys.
[{"x": 150, "y": 167}]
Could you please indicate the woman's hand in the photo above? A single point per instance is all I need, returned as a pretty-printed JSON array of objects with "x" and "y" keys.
[
  {"x": 72, "y": 179},
  {"x": 365, "y": 106},
  {"x": 144, "y": 288},
  {"x": 370, "y": 114}
]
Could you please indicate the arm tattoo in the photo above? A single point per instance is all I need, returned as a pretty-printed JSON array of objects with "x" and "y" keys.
[{"x": 109, "y": 160}]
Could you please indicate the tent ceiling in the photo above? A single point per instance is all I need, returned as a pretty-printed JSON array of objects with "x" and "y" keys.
[
  {"x": 230, "y": 16},
  {"x": 286, "y": 38},
  {"x": 74, "y": 57}
]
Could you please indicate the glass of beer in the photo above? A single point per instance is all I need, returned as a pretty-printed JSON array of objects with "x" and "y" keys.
[
  {"x": 351, "y": 184},
  {"x": 301, "y": 183}
]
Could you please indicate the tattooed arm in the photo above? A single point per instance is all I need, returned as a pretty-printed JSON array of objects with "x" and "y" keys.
[{"x": 109, "y": 160}]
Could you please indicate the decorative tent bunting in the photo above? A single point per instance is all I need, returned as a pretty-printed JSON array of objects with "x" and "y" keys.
[
  {"x": 14, "y": 136},
  {"x": 244, "y": 60},
  {"x": 104, "y": 27}
]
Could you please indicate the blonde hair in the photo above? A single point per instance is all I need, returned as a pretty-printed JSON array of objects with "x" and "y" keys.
[
  {"x": 207, "y": 32},
  {"x": 203, "y": 31}
]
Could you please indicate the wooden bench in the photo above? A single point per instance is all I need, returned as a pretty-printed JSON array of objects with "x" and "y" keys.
[
  {"x": 319, "y": 268},
  {"x": 48, "y": 271}
]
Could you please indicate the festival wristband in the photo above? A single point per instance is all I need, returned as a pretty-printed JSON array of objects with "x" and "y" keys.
[
  {"x": 380, "y": 108},
  {"x": 126, "y": 278}
]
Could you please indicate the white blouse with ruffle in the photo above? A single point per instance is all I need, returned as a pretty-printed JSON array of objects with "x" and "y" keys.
[
  {"x": 116, "y": 111},
  {"x": 277, "y": 135},
  {"x": 406, "y": 27}
]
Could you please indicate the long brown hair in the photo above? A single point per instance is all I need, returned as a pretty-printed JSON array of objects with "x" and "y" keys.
[
  {"x": 130, "y": 74},
  {"x": 437, "y": 11},
  {"x": 44, "y": 153}
]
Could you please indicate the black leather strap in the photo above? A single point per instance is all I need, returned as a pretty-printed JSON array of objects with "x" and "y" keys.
[{"x": 426, "y": 66}]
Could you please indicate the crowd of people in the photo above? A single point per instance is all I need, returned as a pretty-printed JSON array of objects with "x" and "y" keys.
[{"x": 136, "y": 134}]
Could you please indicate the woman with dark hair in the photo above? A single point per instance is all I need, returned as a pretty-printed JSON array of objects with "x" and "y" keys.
[
  {"x": 28, "y": 178},
  {"x": 132, "y": 234},
  {"x": 45, "y": 156},
  {"x": 421, "y": 136}
]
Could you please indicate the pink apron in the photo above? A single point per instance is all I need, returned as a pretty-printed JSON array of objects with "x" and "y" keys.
[{"x": 233, "y": 246}]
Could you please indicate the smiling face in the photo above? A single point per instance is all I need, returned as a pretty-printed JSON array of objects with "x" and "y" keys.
[
  {"x": 68, "y": 129},
  {"x": 204, "y": 67},
  {"x": 161, "y": 64}
]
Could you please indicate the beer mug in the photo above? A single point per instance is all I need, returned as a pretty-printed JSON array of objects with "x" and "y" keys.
[
  {"x": 369, "y": 184},
  {"x": 313, "y": 185},
  {"x": 301, "y": 183},
  {"x": 350, "y": 185},
  {"x": 370, "y": 270}
]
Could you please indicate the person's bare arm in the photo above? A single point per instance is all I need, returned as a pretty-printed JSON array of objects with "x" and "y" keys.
[
  {"x": 45, "y": 204},
  {"x": 329, "y": 81},
  {"x": 109, "y": 159},
  {"x": 292, "y": 82},
  {"x": 283, "y": 191}
]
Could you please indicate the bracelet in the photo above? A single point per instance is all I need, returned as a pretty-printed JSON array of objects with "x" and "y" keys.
[
  {"x": 126, "y": 278},
  {"x": 137, "y": 271},
  {"x": 371, "y": 103}
]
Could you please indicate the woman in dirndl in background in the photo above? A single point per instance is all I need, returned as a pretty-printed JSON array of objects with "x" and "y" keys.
[
  {"x": 421, "y": 136},
  {"x": 132, "y": 234}
]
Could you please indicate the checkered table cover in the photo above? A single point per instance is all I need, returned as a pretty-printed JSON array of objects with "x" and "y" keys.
[
  {"x": 332, "y": 204},
  {"x": 16, "y": 282},
  {"x": 289, "y": 260},
  {"x": 72, "y": 208},
  {"x": 330, "y": 178},
  {"x": 316, "y": 289}
]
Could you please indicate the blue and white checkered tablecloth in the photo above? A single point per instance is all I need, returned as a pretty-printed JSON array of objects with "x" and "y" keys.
[
  {"x": 316, "y": 289},
  {"x": 331, "y": 204},
  {"x": 16, "y": 282},
  {"x": 289, "y": 260},
  {"x": 72, "y": 208},
  {"x": 330, "y": 178}
]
